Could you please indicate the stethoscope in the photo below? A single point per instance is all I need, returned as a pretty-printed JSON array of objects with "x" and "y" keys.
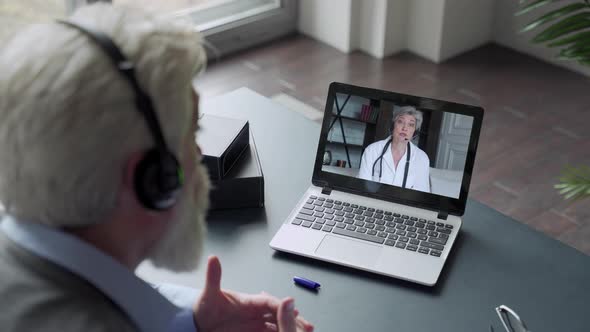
[{"x": 380, "y": 160}]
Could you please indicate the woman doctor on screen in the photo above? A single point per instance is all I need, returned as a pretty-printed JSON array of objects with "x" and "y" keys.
[{"x": 395, "y": 160}]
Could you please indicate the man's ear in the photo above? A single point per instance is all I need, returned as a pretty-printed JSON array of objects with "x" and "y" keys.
[
  {"x": 128, "y": 180},
  {"x": 130, "y": 168}
]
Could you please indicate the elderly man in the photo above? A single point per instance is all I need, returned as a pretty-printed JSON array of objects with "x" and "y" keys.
[{"x": 99, "y": 171}]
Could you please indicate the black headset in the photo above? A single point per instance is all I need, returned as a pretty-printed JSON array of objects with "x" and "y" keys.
[{"x": 158, "y": 176}]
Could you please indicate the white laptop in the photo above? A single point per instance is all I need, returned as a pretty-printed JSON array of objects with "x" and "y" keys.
[{"x": 390, "y": 183}]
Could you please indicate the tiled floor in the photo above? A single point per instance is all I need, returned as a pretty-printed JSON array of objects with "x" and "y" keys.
[{"x": 535, "y": 123}]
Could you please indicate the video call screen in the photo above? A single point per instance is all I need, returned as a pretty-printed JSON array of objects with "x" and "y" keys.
[{"x": 397, "y": 144}]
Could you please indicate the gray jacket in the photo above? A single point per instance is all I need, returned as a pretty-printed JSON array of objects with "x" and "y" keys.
[{"x": 37, "y": 295}]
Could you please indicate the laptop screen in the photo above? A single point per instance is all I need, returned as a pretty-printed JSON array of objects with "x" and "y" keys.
[{"x": 405, "y": 147}]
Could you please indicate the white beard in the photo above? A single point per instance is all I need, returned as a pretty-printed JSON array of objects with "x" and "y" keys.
[{"x": 180, "y": 248}]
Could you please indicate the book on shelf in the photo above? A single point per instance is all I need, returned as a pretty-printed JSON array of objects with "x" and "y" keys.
[
  {"x": 369, "y": 113},
  {"x": 374, "y": 114},
  {"x": 365, "y": 110}
]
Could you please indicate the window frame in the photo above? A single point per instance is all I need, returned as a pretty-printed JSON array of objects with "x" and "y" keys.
[{"x": 241, "y": 33}]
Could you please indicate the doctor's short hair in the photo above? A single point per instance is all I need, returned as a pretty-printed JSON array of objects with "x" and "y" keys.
[
  {"x": 407, "y": 110},
  {"x": 68, "y": 120}
]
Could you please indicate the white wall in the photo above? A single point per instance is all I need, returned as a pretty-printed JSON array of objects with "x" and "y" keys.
[
  {"x": 380, "y": 25},
  {"x": 506, "y": 27},
  {"x": 425, "y": 21},
  {"x": 434, "y": 29},
  {"x": 396, "y": 26},
  {"x": 467, "y": 25},
  {"x": 355, "y": 24},
  {"x": 376, "y": 27},
  {"x": 371, "y": 26},
  {"x": 328, "y": 21}
]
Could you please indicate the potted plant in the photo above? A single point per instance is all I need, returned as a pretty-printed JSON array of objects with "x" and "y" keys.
[{"x": 568, "y": 28}]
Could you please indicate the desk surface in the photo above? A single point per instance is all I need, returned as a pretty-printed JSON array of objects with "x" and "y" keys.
[{"x": 495, "y": 259}]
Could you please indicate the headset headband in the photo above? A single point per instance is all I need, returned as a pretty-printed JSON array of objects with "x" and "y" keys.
[{"x": 125, "y": 67}]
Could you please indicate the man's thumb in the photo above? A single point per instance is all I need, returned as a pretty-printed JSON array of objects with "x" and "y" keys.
[
  {"x": 286, "y": 316},
  {"x": 213, "y": 281}
]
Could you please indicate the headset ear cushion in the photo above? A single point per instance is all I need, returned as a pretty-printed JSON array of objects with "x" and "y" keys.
[{"x": 153, "y": 177}]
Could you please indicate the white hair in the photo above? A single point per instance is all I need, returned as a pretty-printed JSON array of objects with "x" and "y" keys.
[
  {"x": 408, "y": 110},
  {"x": 68, "y": 122}
]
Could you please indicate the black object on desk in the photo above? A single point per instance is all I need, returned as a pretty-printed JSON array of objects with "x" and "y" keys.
[
  {"x": 243, "y": 186},
  {"x": 223, "y": 140}
]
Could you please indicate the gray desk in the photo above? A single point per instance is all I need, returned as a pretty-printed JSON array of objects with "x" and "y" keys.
[{"x": 496, "y": 260}]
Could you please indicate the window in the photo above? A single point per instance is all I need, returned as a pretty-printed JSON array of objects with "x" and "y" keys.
[
  {"x": 14, "y": 14},
  {"x": 208, "y": 14},
  {"x": 230, "y": 25}
]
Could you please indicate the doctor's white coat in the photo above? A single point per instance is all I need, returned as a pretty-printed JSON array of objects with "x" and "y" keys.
[{"x": 418, "y": 173}]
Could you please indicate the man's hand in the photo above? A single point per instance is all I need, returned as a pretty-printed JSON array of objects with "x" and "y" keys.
[{"x": 225, "y": 311}]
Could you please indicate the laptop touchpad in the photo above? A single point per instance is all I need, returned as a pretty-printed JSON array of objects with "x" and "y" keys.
[{"x": 352, "y": 252}]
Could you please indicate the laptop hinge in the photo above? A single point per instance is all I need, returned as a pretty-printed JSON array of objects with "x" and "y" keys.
[
  {"x": 442, "y": 215},
  {"x": 326, "y": 190}
]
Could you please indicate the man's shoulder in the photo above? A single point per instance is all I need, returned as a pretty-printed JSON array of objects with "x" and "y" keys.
[{"x": 38, "y": 295}]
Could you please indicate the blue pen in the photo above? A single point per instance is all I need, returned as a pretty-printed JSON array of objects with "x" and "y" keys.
[{"x": 309, "y": 284}]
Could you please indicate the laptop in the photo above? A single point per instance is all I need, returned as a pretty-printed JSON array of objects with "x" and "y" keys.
[{"x": 389, "y": 186}]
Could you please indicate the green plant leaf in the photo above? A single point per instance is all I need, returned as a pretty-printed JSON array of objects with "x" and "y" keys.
[
  {"x": 584, "y": 61},
  {"x": 565, "y": 190},
  {"x": 575, "y": 183},
  {"x": 572, "y": 58},
  {"x": 573, "y": 23},
  {"x": 582, "y": 37},
  {"x": 579, "y": 57},
  {"x": 577, "y": 48},
  {"x": 577, "y": 190},
  {"x": 565, "y": 31},
  {"x": 566, "y": 23},
  {"x": 576, "y": 51},
  {"x": 532, "y": 6},
  {"x": 555, "y": 14},
  {"x": 574, "y": 54},
  {"x": 579, "y": 45}
]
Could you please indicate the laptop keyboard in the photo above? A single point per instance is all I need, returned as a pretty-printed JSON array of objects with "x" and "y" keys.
[{"x": 392, "y": 229}]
